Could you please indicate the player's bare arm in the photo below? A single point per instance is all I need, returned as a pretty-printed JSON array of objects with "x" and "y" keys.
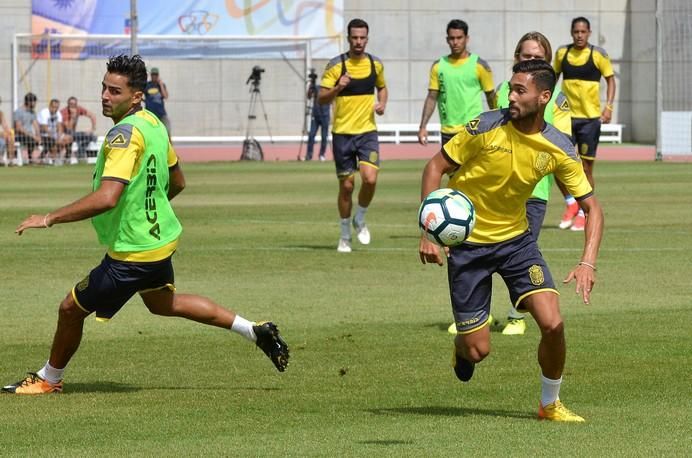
[
  {"x": 491, "y": 98},
  {"x": 327, "y": 95},
  {"x": 584, "y": 274},
  {"x": 428, "y": 108},
  {"x": 436, "y": 167},
  {"x": 382, "y": 97},
  {"x": 176, "y": 181},
  {"x": 607, "y": 113},
  {"x": 95, "y": 203}
]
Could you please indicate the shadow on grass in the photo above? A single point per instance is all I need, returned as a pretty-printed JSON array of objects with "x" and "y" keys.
[
  {"x": 312, "y": 247},
  {"x": 114, "y": 387},
  {"x": 446, "y": 411},
  {"x": 386, "y": 442},
  {"x": 405, "y": 237},
  {"x": 100, "y": 387},
  {"x": 439, "y": 326}
]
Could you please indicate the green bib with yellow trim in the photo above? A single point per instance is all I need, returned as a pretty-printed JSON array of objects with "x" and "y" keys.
[
  {"x": 459, "y": 99},
  {"x": 143, "y": 219}
]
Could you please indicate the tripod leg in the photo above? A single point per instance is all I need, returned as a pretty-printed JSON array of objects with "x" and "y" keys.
[
  {"x": 266, "y": 119},
  {"x": 251, "y": 113}
]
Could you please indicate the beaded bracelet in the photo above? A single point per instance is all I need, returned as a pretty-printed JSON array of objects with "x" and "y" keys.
[{"x": 582, "y": 263}]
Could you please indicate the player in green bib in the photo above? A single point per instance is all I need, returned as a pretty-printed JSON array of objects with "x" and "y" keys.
[
  {"x": 137, "y": 175},
  {"x": 534, "y": 45},
  {"x": 456, "y": 84}
]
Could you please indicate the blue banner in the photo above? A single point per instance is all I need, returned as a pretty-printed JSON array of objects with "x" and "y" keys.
[{"x": 247, "y": 18}]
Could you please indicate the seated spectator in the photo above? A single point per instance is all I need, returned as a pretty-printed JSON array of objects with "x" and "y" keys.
[
  {"x": 52, "y": 134},
  {"x": 70, "y": 118},
  {"x": 6, "y": 141},
  {"x": 26, "y": 130}
]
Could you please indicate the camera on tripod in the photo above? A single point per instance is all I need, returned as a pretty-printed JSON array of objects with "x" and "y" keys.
[
  {"x": 255, "y": 76},
  {"x": 313, "y": 78}
]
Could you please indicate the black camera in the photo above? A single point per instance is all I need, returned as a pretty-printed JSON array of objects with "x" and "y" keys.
[
  {"x": 313, "y": 76},
  {"x": 256, "y": 75},
  {"x": 312, "y": 86}
]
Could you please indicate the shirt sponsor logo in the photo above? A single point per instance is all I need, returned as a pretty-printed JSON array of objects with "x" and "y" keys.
[
  {"x": 150, "y": 201},
  {"x": 492, "y": 148},
  {"x": 119, "y": 140}
]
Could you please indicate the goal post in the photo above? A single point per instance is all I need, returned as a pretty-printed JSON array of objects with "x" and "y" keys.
[
  {"x": 673, "y": 90},
  {"x": 61, "y": 65}
]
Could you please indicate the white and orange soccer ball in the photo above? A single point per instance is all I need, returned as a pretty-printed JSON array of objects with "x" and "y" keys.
[{"x": 446, "y": 217}]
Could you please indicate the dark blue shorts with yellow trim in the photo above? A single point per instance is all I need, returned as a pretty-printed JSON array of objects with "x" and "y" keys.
[
  {"x": 111, "y": 284},
  {"x": 585, "y": 135},
  {"x": 470, "y": 268},
  {"x": 350, "y": 150}
]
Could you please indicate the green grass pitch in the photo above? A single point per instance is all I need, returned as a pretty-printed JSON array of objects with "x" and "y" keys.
[{"x": 370, "y": 367}]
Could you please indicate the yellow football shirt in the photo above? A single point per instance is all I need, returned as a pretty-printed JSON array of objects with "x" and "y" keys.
[
  {"x": 583, "y": 95},
  {"x": 500, "y": 166},
  {"x": 354, "y": 114}
]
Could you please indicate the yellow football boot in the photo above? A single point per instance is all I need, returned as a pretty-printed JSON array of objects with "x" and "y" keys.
[{"x": 558, "y": 412}]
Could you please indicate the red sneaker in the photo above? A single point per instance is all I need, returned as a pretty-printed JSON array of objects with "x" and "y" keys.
[
  {"x": 578, "y": 223},
  {"x": 569, "y": 214}
]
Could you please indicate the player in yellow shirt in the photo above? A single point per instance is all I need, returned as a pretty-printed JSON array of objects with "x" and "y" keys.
[
  {"x": 350, "y": 80},
  {"x": 456, "y": 84},
  {"x": 496, "y": 161},
  {"x": 582, "y": 66}
]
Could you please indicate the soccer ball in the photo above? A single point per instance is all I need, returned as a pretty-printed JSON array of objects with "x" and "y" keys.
[{"x": 446, "y": 217}]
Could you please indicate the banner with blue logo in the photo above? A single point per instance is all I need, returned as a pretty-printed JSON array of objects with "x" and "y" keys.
[{"x": 247, "y": 18}]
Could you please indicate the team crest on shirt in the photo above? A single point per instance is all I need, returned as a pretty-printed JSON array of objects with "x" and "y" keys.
[
  {"x": 564, "y": 106},
  {"x": 536, "y": 275},
  {"x": 373, "y": 157},
  {"x": 84, "y": 284},
  {"x": 542, "y": 162},
  {"x": 473, "y": 124}
]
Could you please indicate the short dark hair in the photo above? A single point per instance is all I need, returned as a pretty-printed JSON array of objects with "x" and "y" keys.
[
  {"x": 131, "y": 66},
  {"x": 581, "y": 19},
  {"x": 541, "y": 71},
  {"x": 54, "y": 101},
  {"x": 29, "y": 97},
  {"x": 458, "y": 24},
  {"x": 357, "y": 24}
]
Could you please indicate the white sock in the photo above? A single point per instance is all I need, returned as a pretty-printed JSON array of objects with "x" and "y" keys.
[
  {"x": 244, "y": 328},
  {"x": 581, "y": 212},
  {"x": 360, "y": 215},
  {"x": 346, "y": 228},
  {"x": 514, "y": 314},
  {"x": 569, "y": 200},
  {"x": 550, "y": 390},
  {"x": 51, "y": 374}
]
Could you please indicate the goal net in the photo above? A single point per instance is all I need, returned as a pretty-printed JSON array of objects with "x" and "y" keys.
[
  {"x": 206, "y": 76},
  {"x": 674, "y": 64}
]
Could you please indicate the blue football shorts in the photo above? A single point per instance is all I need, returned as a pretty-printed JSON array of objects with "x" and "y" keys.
[
  {"x": 112, "y": 283},
  {"x": 470, "y": 268}
]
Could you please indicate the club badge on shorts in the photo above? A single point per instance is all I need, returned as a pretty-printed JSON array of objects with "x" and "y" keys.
[{"x": 536, "y": 275}]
